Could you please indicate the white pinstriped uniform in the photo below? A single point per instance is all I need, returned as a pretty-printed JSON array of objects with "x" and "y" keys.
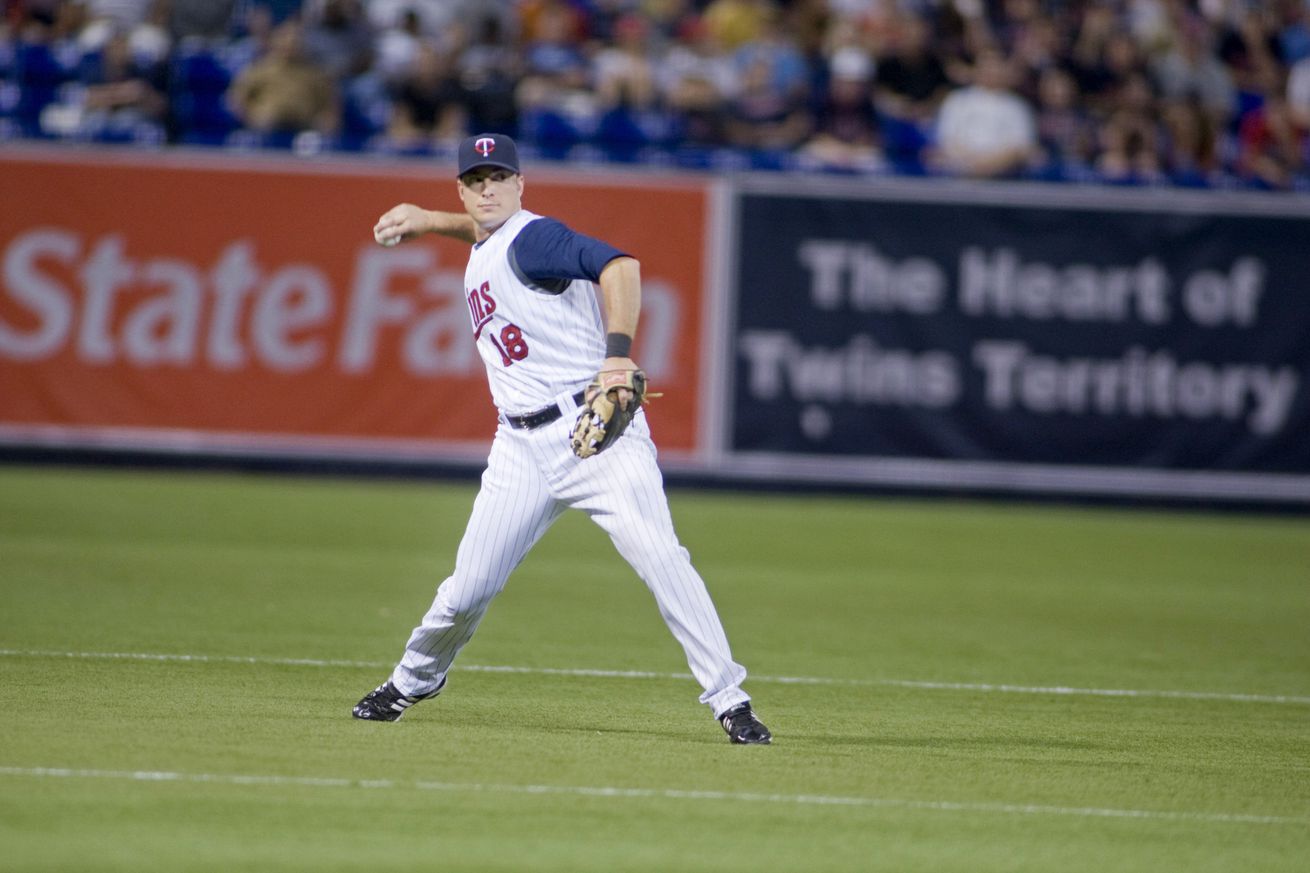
[
  {"x": 540, "y": 349},
  {"x": 563, "y": 332}
]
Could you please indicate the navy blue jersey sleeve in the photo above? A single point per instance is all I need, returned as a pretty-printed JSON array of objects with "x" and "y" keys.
[{"x": 549, "y": 255}]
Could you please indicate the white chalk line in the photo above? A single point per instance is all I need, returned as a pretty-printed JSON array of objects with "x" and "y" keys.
[
  {"x": 642, "y": 674},
  {"x": 654, "y": 794}
]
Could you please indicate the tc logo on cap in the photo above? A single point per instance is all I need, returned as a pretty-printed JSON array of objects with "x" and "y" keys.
[{"x": 487, "y": 149}]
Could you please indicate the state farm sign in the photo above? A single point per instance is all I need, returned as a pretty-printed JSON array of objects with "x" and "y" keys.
[
  {"x": 230, "y": 300},
  {"x": 93, "y": 297}
]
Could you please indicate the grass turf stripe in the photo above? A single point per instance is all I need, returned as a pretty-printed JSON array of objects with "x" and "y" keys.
[
  {"x": 641, "y": 674},
  {"x": 654, "y": 794}
]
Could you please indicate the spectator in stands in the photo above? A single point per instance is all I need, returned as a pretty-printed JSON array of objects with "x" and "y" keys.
[
  {"x": 448, "y": 22},
  {"x": 696, "y": 80},
  {"x": 623, "y": 72},
  {"x": 1016, "y": 30},
  {"x": 733, "y": 23},
  {"x": 846, "y": 128},
  {"x": 808, "y": 24},
  {"x": 338, "y": 39},
  {"x": 121, "y": 95},
  {"x": 489, "y": 72},
  {"x": 1189, "y": 68},
  {"x": 763, "y": 118},
  {"x": 985, "y": 129},
  {"x": 1121, "y": 59},
  {"x": 42, "y": 14},
  {"x": 145, "y": 22},
  {"x": 774, "y": 49},
  {"x": 1039, "y": 46},
  {"x": 1149, "y": 23},
  {"x": 1190, "y": 144},
  {"x": 732, "y": 76},
  {"x": 553, "y": 47},
  {"x": 1064, "y": 128},
  {"x": 1130, "y": 135},
  {"x": 667, "y": 18},
  {"x": 124, "y": 88},
  {"x": 397, "y": 48},
  {"x": 279, "y": 10},
  {"x": 1129, "y": 150},
  {"x": 1294, "y": 31},
  {"x": 285, "y": 92},
  {"x": 428, "y": 105},
  {"x": 256, "y": 28},
  {"x": 1093, "y": 29},
  {"x": 770, "y": 111},
  {"x": 1271, "y": 148},
  {"x": 1248, "y": 47},
  {"x": 207, "y": 20},
  {"x": 909, "y": 86},
  {"x": 554, "y": 95},
  {"x": 630, "y": 117},
  {"x": 964, "y": 30},
  {"x": 109, "y": 17},
  {"x": 1298, "y": 93}
]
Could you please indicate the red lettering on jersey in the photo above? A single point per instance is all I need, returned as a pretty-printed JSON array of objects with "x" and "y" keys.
[{"x": 481, "y": 305}]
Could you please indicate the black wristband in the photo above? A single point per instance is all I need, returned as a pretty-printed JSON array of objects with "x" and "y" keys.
[{"x": 618, "y": 345}]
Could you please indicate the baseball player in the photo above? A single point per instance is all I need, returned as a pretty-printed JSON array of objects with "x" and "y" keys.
[{"x": 571, "y": 433}]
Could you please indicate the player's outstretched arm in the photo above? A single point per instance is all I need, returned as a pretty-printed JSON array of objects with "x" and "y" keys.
[{"x": 408, "y": 221}]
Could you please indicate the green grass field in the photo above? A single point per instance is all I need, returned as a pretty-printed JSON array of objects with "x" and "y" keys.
[{"x": 180, "y": 652}]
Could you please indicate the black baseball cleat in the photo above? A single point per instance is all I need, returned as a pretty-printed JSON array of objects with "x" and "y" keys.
[
  {"x": 386, "y": 703},
  {"x": 743, "y": 727}
]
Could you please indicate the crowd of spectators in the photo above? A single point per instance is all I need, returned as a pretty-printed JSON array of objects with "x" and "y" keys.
[{"x": 1160, "y": 92}]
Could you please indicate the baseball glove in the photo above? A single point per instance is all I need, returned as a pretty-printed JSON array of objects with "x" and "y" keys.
[{"x": 603, "y": 419}]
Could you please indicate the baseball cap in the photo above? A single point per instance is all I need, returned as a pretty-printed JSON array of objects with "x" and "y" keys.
[{"x": 488, "y": 150}]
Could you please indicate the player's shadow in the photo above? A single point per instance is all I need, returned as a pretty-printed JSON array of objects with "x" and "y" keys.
[{"x": 601, "y": 729}]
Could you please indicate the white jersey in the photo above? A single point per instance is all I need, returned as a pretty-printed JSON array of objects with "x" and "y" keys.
[{"x": 538, "y": 346}]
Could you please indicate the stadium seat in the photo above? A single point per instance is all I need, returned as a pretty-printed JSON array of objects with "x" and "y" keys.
[
  {"x": 249, "y": 140},
  {"x": 10, "y": 95},
  {"x": 631, "y": 136},
  {"x": 6, "y": 59},
  {"x": 38, "y": 72},
  {"x": 363, "y": 116},
  {"x": 553, "y": 133},
  {"x": 198, "y": 97}
]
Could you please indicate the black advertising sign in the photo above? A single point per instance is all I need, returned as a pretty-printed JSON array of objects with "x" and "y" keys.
[{"x": 1096, "y": 338}]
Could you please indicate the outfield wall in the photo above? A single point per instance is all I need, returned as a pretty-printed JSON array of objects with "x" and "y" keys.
[
  {"x": 241, "y": 305},
  {"x": 882, "y": 332}
]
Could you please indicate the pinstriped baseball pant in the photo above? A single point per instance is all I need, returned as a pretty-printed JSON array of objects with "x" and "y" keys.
[{"x": 531, "y": 478}]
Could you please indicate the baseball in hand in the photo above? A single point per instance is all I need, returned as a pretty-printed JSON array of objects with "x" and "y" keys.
[{"x": 386, "y": 240}]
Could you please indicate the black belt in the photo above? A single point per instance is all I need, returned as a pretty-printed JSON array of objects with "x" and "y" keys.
[{"x": 533, "y": 420}]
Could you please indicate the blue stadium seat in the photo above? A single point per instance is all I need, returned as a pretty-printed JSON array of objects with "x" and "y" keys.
[
  {"x": 10, "y": 95},
  {"x": 382, "y": 145},
  {"x": 902, "y": 140},
  {"x": 630, "y": 136},
  {"x": 143, "y": 134},
  {"x": 553, "y": 133},
  {"x": 6, "y": 58},
  {"x": 363, "y": 116},
  {"x": 199, "y": 97},
  {"x": 242, "y": 139},
  {"x": 38, "y": 73},
  {"x": 88, "y": 67}
]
